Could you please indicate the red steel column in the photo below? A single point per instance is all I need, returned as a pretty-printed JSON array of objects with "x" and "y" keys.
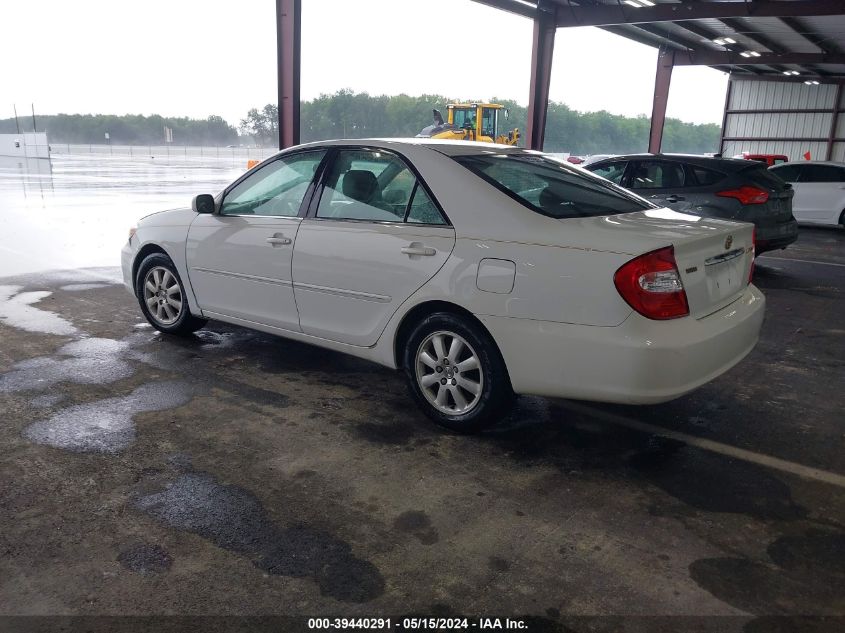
[
  {"x": 834, "y": 122},
  {"x": 545, "y": 25},
  {"x": 288, "y": 49},
  {"x": 724, "y": 130},
  {"x": 665, "y": 64}
]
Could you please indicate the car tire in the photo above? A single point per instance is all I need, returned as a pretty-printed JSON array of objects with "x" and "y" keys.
[
  {"x": 456, "y": 373},
  {"x": 161, "y": 295}
]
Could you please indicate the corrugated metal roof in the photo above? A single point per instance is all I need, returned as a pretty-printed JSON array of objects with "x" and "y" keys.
[{"x": 798, "y": 30}]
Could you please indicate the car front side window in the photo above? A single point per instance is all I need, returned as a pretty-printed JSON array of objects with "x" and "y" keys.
[
  {"x": 274, "y": 189},
  {"x": 788, "y": 173}
]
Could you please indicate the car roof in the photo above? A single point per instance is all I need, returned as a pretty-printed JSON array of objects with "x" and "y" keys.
[
  {"x": 812, "y": 162},
  {"x": 695, "y": 159},
  {"x": 450, "y": 148}
]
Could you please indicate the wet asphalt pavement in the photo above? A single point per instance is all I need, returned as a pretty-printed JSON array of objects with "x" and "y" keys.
[{"x": 236, "y": 473}]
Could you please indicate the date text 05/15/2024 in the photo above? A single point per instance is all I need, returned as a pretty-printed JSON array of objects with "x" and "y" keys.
[{"x": 410, "y": 623}]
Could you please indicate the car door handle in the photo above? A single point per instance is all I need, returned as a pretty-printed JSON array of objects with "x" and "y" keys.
[
  {"x": 278, "y": 240},
  {"x": 674, "y": 198},
  {"x": 415, "y": 248}
]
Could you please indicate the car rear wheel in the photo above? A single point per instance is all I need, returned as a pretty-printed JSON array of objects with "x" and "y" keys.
[
  {"x": 162, "y": 298},
  {"x": 456, "y": 373}
]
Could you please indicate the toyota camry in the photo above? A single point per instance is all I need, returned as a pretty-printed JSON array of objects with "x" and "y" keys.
[{"x": 480, "y": 271}]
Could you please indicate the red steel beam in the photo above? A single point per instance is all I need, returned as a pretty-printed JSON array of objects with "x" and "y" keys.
[
  {"x": 827, "y": 79},
  {"x": 288, "y": 53},
  {"x": 511, "y": 6},
  {"x": 542, "y": 52},
  {"x": 786, "y": 139},
  {"x": 610, "y": 14},
  {"x": 662, "y": 80},
  {"x": 727, "y": 111},
  {"x": 834, "y": 121},
  {"x": 714, "y": 58}
]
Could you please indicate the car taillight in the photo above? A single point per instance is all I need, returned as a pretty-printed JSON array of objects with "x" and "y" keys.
[
  {"x": 753, "y": 253},
  {"x": 651, "y": 285},
  {"x": 746, "y": 195}
]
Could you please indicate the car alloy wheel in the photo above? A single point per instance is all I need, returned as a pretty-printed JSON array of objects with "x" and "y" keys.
[
  {"x": 449, "y": 373},
  {"x": 163, "y": 295}
]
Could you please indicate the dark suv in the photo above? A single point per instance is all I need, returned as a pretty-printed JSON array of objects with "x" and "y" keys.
[{"x": 714, "y": 187}]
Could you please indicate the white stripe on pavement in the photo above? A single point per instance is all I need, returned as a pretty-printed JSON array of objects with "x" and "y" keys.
[
  {"x": 803, "y": 261},
  {"x": 807, "y": 472}
]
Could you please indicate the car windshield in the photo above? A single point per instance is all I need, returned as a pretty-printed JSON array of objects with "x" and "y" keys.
[{"x": 550, "y": 187}]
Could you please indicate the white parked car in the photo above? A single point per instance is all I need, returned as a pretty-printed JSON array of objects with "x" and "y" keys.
[
  {"x": 819, "y": 190},
  {"x": 479, "y": 270}
]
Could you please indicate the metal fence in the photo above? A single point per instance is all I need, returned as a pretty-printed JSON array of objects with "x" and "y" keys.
[{"x": 171, "y": 152}]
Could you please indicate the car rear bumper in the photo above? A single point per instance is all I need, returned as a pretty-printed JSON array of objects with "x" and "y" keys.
[
  {"x": 638, "y": 362},
  {"x": 770, "y": 238}
]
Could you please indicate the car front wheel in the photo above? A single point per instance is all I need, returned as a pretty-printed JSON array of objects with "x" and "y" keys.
[
  {"x": 456, "y": 373},
  {"x": 162, "y": 297}
]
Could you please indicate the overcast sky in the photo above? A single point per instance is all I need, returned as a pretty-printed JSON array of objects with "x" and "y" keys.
[{"x": 200, "y": 57}]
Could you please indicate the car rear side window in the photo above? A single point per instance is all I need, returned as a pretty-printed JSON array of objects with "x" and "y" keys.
[
  {"x": 705, "y": 177},
  {"x": 822, "y": 173},
  {"x": 550, "y": 187},
  {"x": 422, "y": 210},
  {"x": 657, "y": 174},
  {"x": 367, "y": 185},
  {"x": 375, "y": 185}
]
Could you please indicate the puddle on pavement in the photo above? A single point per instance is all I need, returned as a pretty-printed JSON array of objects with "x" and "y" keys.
[
  {"x": 806, "y": 575},
  {"x": 86, "y": 361},
  {"x": 81, "y": 287},
  {"x": 697, "y": 478},
  {"x": 232, "y": 518},
  {"x": 417, "y": 522},
  {"x": 106, "y": 426},
  {"x": 16, "y": 310},
  {"x": 46, "y": 401}
]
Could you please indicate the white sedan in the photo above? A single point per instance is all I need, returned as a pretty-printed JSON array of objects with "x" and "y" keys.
[
  {"x": 819, "y": 190},
  {"x": 479, "y": 270}
]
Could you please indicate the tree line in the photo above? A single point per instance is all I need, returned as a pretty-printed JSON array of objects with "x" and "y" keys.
[
  {"x": 128, "y": 129},
  {"x": 347, "y": 114}
]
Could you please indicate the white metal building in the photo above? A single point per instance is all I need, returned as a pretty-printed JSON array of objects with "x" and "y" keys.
[{"x": 25, "y": 145}]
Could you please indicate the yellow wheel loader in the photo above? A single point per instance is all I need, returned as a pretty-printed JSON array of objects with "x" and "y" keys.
[{"x": 470, "y": 122}]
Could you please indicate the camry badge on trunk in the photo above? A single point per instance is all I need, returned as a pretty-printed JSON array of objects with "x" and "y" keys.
[{"x": 728, "y": 241}]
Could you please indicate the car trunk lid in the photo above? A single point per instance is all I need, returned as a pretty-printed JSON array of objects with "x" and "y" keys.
[{"x": 714, "y": 256}]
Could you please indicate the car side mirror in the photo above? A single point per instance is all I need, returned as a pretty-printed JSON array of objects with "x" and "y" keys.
[{"x": 203, "y": 203}]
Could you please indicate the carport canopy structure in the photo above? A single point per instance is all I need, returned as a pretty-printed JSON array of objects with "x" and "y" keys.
[{"x": 798, "y": 41}]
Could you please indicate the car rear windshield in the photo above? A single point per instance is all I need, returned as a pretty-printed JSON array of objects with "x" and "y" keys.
[
  {"x": 762, "y": 177},
  {"x": 550, "y": 187}
]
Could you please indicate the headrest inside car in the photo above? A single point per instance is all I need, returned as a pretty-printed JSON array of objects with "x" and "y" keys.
[{"x": 359, "y": 185}]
